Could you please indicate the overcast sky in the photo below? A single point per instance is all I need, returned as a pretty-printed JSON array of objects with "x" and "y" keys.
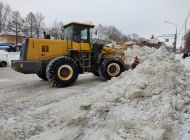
[{"x": 145, "y": 17}]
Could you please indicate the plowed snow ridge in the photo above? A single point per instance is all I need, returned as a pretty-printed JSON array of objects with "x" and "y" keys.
[{"x": 145, "y": 103}]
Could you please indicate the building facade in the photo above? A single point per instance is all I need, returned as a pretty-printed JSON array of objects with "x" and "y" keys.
[{"x": 11, "y": 38}]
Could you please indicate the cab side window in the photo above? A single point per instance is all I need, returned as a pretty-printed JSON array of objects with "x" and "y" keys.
[
  {"x": 77, "y": 36},
  {"x": 84, "y": 34},
  {"x": 68, "y": 33}
]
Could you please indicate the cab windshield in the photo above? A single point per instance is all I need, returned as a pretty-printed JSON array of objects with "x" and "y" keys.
[{"x": 77, "y": 33}]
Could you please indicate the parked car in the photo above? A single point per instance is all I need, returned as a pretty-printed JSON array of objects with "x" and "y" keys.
[
  {"x": 3, "y": 63},
  {"x": 7, "y": 47},
  {"x": 4, "y": 58}
]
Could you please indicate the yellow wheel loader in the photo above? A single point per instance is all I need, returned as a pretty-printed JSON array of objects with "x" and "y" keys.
[{"x": 61, "y": 61}]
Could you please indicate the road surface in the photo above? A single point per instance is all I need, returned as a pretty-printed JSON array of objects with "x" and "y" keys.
[{"x": 29, "y": 106}]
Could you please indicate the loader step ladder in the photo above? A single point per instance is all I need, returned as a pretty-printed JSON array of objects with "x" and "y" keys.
[{"x": 85, "y": 61}]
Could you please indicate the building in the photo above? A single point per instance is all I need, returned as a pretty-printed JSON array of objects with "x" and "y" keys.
[
  {"x": 154, "y": 42},
  {"x": 169, "y": 41},
  {"x": 8, "y": 41},
  {"x": 11, "y": 38}
]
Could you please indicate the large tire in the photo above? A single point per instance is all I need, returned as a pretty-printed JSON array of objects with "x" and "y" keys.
[
  {"x": 42, "y": 76},
  {"x": 95, "y": 70},
  {"x": 62, "y": 71},
  {"x": 3, "y": 64},
  {"x": 96, "y": 73},
  {"x": 111, "y": 67}
]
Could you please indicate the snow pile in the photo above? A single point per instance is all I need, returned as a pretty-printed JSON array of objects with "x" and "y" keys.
[
  {"x": 143, "y": 53},
  {"x": 147, "y": 103},
  {"x": 144, "y": 103}
]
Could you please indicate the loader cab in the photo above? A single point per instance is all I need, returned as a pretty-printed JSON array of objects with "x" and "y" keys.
[{"x": 78, "y": 32}]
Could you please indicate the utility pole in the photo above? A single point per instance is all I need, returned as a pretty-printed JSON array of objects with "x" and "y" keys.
[
  {"x": 175, "y": 38},
  {"x": 16, "y": 29},
  {"x": 175, "y": 42}
]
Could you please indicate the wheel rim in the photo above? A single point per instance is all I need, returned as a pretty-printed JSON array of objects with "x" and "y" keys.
[
  {"x": 113, "y": 69},
  {"x": 65, "y": 72}
]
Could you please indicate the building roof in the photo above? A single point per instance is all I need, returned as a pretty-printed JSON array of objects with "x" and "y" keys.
[
  {"x": 11, "y": 34},
  {"x": 77, "y": 23}
]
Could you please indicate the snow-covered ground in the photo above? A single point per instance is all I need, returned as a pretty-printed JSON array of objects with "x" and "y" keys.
[{"x": 148, "y": 103}]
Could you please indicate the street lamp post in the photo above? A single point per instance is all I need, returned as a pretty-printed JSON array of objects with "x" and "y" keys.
[{"x": 175, "y": 38}]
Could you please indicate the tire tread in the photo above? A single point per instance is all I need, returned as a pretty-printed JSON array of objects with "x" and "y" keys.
[{"x": 51, "y": 72}]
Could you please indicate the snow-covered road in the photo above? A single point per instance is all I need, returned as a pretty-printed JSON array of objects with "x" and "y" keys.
[{"x": 26, "y": 102}]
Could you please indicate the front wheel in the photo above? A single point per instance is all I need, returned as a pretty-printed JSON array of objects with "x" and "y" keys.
[
  {"x": 62, "y": 71},
  {"x": 42, "y": 76},
  {"x": 111, "y": 67},
  {"x": 96, "y": 73},
  {"x": 94, "y": 70}
]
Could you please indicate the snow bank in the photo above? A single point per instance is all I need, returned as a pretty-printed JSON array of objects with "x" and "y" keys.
[
  {"x": 148, "y": 103},
  {"x": 144, "y": 103}
]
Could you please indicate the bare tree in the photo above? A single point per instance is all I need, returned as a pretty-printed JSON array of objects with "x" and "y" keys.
[
  {"x": 30, "y": 24},
  {"x": 39, "y": 24},
  {"x": 187, "y": 43},
  {"x": 101, "y": 30},
  {"x": 15, "y": 24},
  {"x": 113, "y": 33},
  {"x": 109, "y": 33},
  {"x": 124, "y": 38},
  {"x": 55, "y": 31},
  {"x": 5, "y": 12},
  {"x": 134, "y": 37}
]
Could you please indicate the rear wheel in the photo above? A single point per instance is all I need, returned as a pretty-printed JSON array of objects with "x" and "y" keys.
[
  {"x": 42, "y": 76},
  {"x": 3, "y": 64},
  {"x": 111, "y": 67},
  {"x": 62, "y": 71}
]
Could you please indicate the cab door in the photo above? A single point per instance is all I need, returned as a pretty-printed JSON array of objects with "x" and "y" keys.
[
  {"x": 69, "y": 44},
  {"x": 68, "y": 36},
  {"x": 85, "y": 39}
]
